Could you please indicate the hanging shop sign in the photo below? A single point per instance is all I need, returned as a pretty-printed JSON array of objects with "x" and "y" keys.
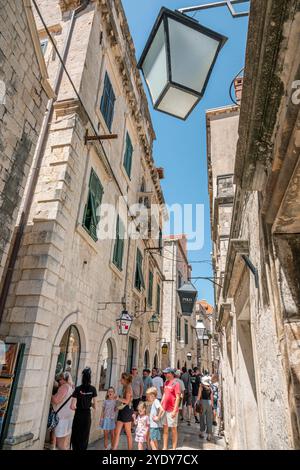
[{"x": 187, "y": 296}]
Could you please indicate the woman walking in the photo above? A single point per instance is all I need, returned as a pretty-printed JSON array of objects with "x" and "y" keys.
[
  {"x": 205, "y": 396},
  {"x": 65, "y": 415},
  {"x": 125, "y": 411},
  {"x": 82, "y": 402}
]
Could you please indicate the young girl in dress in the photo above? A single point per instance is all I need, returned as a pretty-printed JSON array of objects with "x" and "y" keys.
[
  {"x": 108, "y": 417},
  {"x": 142, "y": 425}
]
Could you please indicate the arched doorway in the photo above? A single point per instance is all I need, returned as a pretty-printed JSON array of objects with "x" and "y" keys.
[
  {"x": 146, "y": 359},
  {"x": 106, "y": 366},
  {"x": 69, "y": 354},
  {"x": 155, "y": 362}
]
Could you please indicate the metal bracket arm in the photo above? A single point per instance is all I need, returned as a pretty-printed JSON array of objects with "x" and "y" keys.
[
  {"x": 229, "y": 3},
  {"x": 88, "y": 138}
]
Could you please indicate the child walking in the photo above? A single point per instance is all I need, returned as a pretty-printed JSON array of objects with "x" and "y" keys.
[
  {"x": 155, "y": 425},
  {"x": 142, "y": 425},
  {"x": 108, "y": 417}
]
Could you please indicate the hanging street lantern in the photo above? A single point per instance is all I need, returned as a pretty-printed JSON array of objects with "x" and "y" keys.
[
  {"x": 189, "y": 356},
  {"x": 187, "y": 296},
  {"x": 164, "y": 348},
  {"x": 205, "y": 339},
  {"x": 200, "y": 329},
  {"x": 177, "y": 62},
  {"x": 124, "y": 323},
  {"x": 153, "y": 323}
]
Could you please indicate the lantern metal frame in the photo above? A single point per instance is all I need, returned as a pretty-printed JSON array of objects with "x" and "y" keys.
[
  {"x": 163, "y": 16},
  {"x": 154, "y": 320}
]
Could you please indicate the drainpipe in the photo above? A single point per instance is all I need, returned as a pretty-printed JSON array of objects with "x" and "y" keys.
[{"x": 39, "y": 153}]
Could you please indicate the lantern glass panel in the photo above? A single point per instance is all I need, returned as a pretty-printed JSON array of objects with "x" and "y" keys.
[
  {"x": 155, "y": 65},
  {"x": 192, "y": 55},
  {"x": 177, "y": 102}
]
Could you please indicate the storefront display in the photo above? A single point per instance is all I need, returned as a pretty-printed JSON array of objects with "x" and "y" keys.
[{"x": 10, "y": 362}]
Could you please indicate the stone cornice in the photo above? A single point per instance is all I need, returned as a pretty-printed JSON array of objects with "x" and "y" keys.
[{"x": 234, "y": 265}]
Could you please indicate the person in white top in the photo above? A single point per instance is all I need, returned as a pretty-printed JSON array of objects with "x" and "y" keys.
[
  {"x": 158, "y": 383},
  {"x": 63, "y": 395}
]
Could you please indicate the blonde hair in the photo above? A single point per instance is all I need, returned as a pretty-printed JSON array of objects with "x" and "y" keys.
[
  {"x": 142, "y": 406},
  {"x": 152, "y": 391},
  {"x": 127, "y": 378},
  {"x": 65, "y": 376}
]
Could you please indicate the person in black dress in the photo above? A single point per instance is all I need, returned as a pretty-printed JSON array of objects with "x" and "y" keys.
[{"x": 82, "y": 402}]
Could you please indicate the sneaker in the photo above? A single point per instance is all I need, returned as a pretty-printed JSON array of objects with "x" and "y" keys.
[
  {"x": 189, "y": 423},
  {"x": 215, "y": 423},
  {"x": 208, "y": 437},
  {"x": 201, "y": 435}
]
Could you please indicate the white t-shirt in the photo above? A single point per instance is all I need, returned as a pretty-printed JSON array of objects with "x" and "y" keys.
[
  {"x": 158, "y": 383},
  {"x": 154, "y": 412}
]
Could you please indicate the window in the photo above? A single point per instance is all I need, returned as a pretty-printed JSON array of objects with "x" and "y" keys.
[
  {"x": 179, "y": 279},
  {"x": 91, "y": 212},
  {"x": 160, "y": 241},
  {"x": 127, "y": 162},
  {"x": 139, "y": 278},
  {"x": 132, "y": 343},
  {"x": 106, "y": 366},
  {"x": 119, "y": 244},
  {"x": 150, "y": 288},
  {"x": 44, "y": 45},
  {"x": 146, "y": 360},
  {"x": 158, "y": 299},
  {"x": 108, "y": 102},
  {"x": 178, "y": 328},
  {"x": 186, "y": 332}
]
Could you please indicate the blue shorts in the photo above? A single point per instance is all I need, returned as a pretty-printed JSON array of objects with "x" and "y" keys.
[{"x": 155, "y": 434}]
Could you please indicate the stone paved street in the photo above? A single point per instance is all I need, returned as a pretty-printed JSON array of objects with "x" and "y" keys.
[{"x": 188, "y": 440}]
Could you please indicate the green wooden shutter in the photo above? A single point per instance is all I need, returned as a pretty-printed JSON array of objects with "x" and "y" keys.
[
  {"x": 119, "y": 244},
  {"x": 91, "y": 213},
  {"x": 128, "y": 155},
  {"x": 158, "y": 300},
  {"x": 150, "y": 288},
  {"x": 107, "y": 102},
  {"x": 139, "y": 278}
]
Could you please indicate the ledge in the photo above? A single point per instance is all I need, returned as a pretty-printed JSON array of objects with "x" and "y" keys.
[
  {"x": 10, "y": 442},
  {"x": 234, "y": 264}
]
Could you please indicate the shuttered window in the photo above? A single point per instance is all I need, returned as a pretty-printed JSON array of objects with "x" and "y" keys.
[
  {"x": 119, "y": 244},
  {"x": 186, "y": 332},
  {"x": 108, "y": 102},
  {"x": 178, "y": 328},
  {"x": 139, "y": 278},
  {"x": 150, "y": 288},
  {"x": 127, "y": 162},
  {"x": 92, "y": 208},
  {"x": 158, "y": 299}
]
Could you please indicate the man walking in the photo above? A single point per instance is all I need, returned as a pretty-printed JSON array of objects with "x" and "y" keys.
[
  {"x": 137, "y": 388},
  {"x": 195, "y": 380},
  {"x": 170, "y": 406},
  {"x": 187, "y": 397},
  {"x": 158, "y": 383},
  {"x": 147, "y": 382}
]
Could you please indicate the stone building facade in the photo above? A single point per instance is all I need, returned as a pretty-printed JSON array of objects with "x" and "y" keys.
[
  {"x": 258, "y": 304},
  {"x": 178, "y": 330},
  {"x": 70, "y": 283},
  {"x": 24, "y": 91},
  {"x": 208, "y": 357}
]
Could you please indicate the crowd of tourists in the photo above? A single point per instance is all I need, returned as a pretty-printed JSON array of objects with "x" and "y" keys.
[{"x": 147, "y": 408}]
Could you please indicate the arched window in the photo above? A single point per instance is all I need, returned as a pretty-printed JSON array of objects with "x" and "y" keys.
[
  {"x": 68, "y": 358},
  {"x": 146, "y": 360},
  {"x": 155, "y": 363},
  {"x": 106, "y": 366}
]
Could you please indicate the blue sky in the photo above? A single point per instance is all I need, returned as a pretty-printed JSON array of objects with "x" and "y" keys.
[{"x": 181, "y": 145}]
